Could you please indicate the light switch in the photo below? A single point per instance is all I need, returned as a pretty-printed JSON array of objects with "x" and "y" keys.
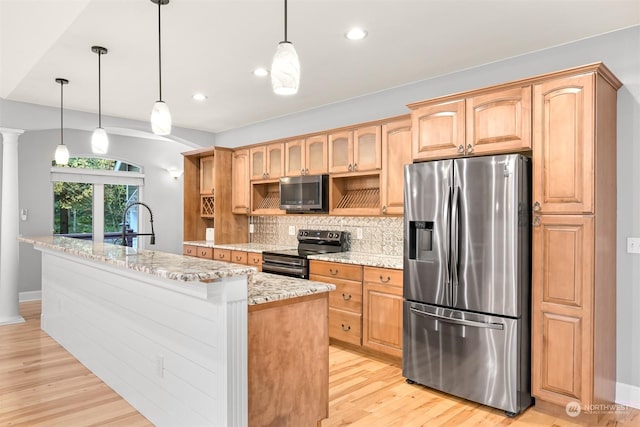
[
  {"x": 292, "y": 230},
  {"x": 23, "y": 214}
]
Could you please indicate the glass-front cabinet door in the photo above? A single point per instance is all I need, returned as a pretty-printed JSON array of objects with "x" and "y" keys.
[
  {"x": 258, "y": 162},
  {"x": 341, "y": 152},
  {"x": 275, "y": 160},
  {"x": 367, "y": 149},
  {"x": 294, "y": 157},
  {"x": 316, "y": 155}
]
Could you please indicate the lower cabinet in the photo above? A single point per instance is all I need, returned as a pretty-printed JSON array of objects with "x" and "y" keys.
[
  {"x": 221, "y": 255},
  {"x": 366, "y": 307},
  {"x": 197, "y": 251},
  {"x": 345, "y": 303},
  {"x": 255, "y": 259},
  {"x": 382, "y": 310}
]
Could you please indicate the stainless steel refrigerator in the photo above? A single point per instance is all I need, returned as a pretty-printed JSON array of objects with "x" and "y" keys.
[{"x": 467, "y": 279}]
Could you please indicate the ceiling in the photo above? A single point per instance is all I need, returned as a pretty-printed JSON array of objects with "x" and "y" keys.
[{"x": 212, "y": 46}]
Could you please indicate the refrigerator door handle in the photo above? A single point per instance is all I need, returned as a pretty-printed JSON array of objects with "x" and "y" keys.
[
  {"x": 454, "y": 244},
  {"x": 498, "y": 326},
  {"x": 447, "y": 227}
]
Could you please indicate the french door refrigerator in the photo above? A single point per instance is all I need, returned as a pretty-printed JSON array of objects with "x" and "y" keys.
[{"x": 467, "y": 279}]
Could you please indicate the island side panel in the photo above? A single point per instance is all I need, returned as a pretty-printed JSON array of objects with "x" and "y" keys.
[
  {"x": 165, "y": 352},
  {"x": 289, "y": 361}
]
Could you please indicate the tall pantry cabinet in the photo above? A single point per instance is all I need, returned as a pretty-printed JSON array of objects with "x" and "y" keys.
[{"x": 574, "y": 237}]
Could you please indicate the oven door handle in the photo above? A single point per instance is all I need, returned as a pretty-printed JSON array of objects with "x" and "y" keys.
[
  {"x": 282, "y": 269},
  {"x": 296, "y": 262}
]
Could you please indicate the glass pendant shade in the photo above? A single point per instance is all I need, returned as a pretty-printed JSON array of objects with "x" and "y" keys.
[
  {"x": 99, "y": 141},
  {"x": 285, "y": 70},
  {"x": 160, "y": 119},
  {"x": 62, "y": 155}
]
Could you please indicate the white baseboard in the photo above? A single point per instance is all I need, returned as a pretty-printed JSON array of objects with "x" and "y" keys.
[
  {"x": 628, "y": 395},
  {"x": 30, "y": 296}
]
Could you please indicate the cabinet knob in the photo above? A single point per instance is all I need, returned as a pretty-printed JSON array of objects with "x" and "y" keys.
[
  {"x": 383, "y": 280},
  {"x": 346, "y": 297},
  {"x": 536, "y": 221},
  {"x": 460, "y": 148},
  {"x": 350, "y": 167},
  {"x": 536, "y": 207},
  {"x": 384, "y": 209},
  {"x": 345, "y": 328},
  {"x": 306, "y": 171},
  {"x": 333, "y": 272},
  {"x": 301, "y": 171},
  {"x": 470, "y": 148},
  {"x": 355, "y": 166},
  {"x": 247, "y": 210}
]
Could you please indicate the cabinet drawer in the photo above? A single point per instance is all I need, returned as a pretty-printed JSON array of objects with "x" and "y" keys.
[
  {"x": 336, "y": 270},
  {"x": 383, "y": 276},
  {"x": 239, "y": 257},
  {"x": 189, "y": 250},
  {"x": 347, "y": 296},
  {"x": 221, "y": 255},
  {"x": 345, "y": 326},
  {"x": 203, "y": 252},
  {"x": 255, "y": 259}
]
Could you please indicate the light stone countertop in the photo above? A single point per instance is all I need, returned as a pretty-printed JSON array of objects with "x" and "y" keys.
[
  {"x": 266, "y": 287},
  {"x": 262, "y": 287},
  {"x": 247, "y": 247},
  {"x": 361, "y": 258}
]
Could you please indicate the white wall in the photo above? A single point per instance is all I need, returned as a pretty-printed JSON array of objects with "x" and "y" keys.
[{"x": 619, "y": 50}]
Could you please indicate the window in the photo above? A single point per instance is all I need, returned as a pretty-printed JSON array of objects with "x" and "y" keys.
[{"x": 90, "y": 196}]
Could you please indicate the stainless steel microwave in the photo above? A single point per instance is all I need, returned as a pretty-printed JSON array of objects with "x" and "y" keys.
[{"x": 305, "y": 194}]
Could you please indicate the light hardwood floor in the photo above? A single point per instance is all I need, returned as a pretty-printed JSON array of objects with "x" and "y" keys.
[{"x": 41, "y": 384}]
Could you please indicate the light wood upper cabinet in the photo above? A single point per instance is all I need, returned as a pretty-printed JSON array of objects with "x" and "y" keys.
[
  {"x": 438, "y": 130},
  {"x": 499, "y": 121},
  {"x": 267, "y": 161},
  {"x": 357, "y": 150},
  {"x": 240, "y": 196},
  {"x": 207, "y": 174},
  {"x": 396, "y": 152},
  {"x": 306, "y": 156},
  {"x": 563, "y": 151}
]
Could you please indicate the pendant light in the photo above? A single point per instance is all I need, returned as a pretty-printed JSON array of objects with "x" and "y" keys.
[
  {"x": 99, "y": 139},
  {"x": 285, "y": 69},
  {"x": 160, "y": 115},
  {"x": 62, "y": 152}
]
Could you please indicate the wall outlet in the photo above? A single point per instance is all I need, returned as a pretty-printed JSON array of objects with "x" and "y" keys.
[
  {"x": 633, "y": 245},
  {"x": 359, "y": 233},
  {"x": 292, "y": 230},
  {"x": 251, "y": 229}
]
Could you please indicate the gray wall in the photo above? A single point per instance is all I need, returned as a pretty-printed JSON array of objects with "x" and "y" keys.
[
  {"x": 619, "y": 50},
  {"x": 161, "y": 192}
]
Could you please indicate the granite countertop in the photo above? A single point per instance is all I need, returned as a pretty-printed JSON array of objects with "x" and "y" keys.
[
  {"x": 362, "y": 258},
  {"x": 262, "y": 287},
  {"x": 247, "y": 247},
  {"x": 266, "y": 287},
  {"x": 160, "y": 264}
]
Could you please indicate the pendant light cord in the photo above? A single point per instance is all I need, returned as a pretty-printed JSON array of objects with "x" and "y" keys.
[
  {"x": 61, "y": 120},
  {"x": 99, "y": 92},
  {"x": 159, "y": 52},
  {"x": 285, "y": 20}
]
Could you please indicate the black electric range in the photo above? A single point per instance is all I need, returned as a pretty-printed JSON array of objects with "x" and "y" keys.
[{"x": 295, "y": 262}]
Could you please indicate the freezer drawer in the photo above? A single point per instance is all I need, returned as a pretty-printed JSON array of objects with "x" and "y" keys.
[{"x": 474, "y": 356}]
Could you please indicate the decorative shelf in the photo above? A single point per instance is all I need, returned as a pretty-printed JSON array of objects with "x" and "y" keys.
[
  {"x": 360, "y": 198},
  {"x": 270, "y": 201},
  {"x": 355, "y": 194},
  {"x": 207, "y": 206}
]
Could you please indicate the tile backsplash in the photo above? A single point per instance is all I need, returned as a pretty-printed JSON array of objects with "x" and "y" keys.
[{"x": 380, "y": 235}]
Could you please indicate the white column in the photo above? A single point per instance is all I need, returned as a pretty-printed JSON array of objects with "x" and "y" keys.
[{"x": 9, "y": 308}]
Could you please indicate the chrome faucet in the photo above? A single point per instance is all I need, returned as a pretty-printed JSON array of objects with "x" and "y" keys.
[{"x": 124, "y": 224}]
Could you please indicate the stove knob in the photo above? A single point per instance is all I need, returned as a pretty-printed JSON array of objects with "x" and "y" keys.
[
  {"x": 300, "y": 233},
  {"x": 306, "y": 233}
]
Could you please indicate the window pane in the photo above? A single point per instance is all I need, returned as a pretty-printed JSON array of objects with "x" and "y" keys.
[
  {"x": 73, "y": 213},
  {"x": 116, "y": 198},
  {"x": 96, "y": 163}
]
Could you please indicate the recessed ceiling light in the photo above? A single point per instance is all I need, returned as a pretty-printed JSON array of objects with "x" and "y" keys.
[
  {"x": 199, "y": 97},
  {"x": 356, "y": 34},
  {"x": 260, "y": 72}
]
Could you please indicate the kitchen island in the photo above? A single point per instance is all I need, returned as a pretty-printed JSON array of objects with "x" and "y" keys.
[{"x": 189, "y": 341}]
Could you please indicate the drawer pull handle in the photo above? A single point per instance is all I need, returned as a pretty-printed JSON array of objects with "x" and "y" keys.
[
  {"x": 238, "y": 258},
  {"x": 346, "y": 329},
  {"x": 382, "y": 279},
  {"x": 203, "y": 253},
  {"x": 332, "y": 272},
  {"x": 346, "y": 297},
  {"x": 256, "y": 260},
  {"x": 221, "y": 256}
]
